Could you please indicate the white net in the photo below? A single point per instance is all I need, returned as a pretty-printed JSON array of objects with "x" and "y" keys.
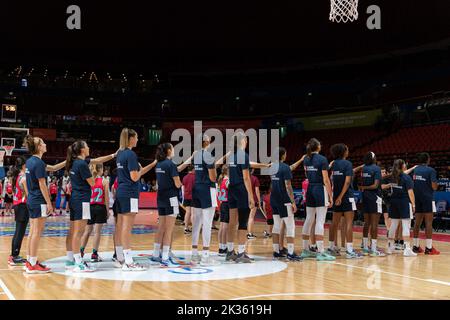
[{"x": 344, "y": 10}]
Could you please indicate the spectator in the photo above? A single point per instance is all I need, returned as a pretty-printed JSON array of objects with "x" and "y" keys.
[{"x": 143, "y": 187}]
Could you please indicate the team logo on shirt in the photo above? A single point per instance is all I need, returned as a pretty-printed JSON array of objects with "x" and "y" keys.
[
  {"x": 159, "y": 170},
  {"x": 310, "y": 168},
  {"x": 337, "y": 173},
  {"x": 420, "y": 178}
]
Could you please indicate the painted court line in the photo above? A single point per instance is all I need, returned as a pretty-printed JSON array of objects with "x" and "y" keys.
[
  {"x": 6, "y": 290},
  {"x": 394, "y": 274},
  {"x": 314, "y": 294}
]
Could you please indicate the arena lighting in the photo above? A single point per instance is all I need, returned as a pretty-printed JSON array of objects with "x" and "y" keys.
[
  {"x": 238, "y": 98},
  {"x": 384, "y": 85},
  {"x": 309, "y": 93}
]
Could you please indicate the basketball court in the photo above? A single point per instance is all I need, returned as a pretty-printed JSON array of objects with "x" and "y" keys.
[
  {"x": 392, "y": 277},
  {"x": 370, "y": 76}
]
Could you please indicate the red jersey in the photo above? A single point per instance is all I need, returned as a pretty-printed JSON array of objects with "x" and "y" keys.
[
  {"x": 223, "y": 190},
  {"x": 266, "y": 200},
  {"x": 188, "y": 184},
  {"x": 98, "y": 192},
  {"x": 255, "y": 184},
  {"x": 116, "y": 184},
  {"x": 53, "y": 188},
  {"x": 305, "y": 184},
  {"x": 68, "y": 188},
  {"x": 19, "y": 194},
  {"x": 9, "y": 188}
]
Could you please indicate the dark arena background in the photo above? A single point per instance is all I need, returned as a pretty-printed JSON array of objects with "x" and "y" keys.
[{"x": 379, "y": 84}]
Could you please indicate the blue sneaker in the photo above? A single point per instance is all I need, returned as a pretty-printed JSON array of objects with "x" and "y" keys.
[
  {"x": 155, "y": 259},
  {"x": 325, "y": 257},
  {"x": 294, "y": 257},
  {"x": 70, "y": 264},
  {"x": 169, "y": 264},
  {"x": 308, "y": 254}
]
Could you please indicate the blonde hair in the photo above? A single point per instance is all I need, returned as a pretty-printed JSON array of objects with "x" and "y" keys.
[
  {"x": 125, "y": 136},
  {"x": 95, "y": 169}
]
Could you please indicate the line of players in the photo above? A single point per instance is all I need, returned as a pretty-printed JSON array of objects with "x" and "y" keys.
[{"x": 32, "y": 199}]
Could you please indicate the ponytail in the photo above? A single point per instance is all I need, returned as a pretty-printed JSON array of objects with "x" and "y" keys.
[
  {"x": 162, "y": 151},
  {"x": 15, "y": 170},
  {"x": 73, "y": 152},
  {"x": 397, "y": 169},
  {"x": 222, "y": 174},
  {"x": 312, "y": 146},
  {"x": 125, "y": 136},
  {"x": 95, "y": 169}
]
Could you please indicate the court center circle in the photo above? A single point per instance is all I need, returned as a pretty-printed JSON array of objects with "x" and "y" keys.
[{"x": 224, "y": 271}]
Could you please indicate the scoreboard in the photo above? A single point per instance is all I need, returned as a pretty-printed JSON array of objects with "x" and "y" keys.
[{"x": 9, "y": 112}]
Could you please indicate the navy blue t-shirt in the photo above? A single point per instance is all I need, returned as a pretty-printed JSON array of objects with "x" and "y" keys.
[
  {"x": 313, "y": 168},
  {"x": 127, "y": 161},
  {"x": 165, "y": 171},
  {"x": 369, "y": 174},
  {"x": 279, "y": 192},
  {"x": 35, "y": 170},
  {"x": 237, "y": 162},
  {"x": 203, "y": 160},
  {"x": 400, "y": 189},
  {"x": 423, "y": 177},
  {"x": 81, "y": 190},
  {"x": 339, "y": 171}
]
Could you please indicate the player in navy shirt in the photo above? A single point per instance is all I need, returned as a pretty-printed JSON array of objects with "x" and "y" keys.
[
  {"x": 343, "y": 198},
  {"x": 240, "y": 196},
  {"x": 129, "y": 172},
  {"x": 319, "y": 198},
  {"x": 402, "y": 206},
  {"x": 425, "y": 183},
  {"x": 169, "y": 184},
  {"x": 77, "y": 164},
  {"x": 283, "y": 205},
  {"x": 372, "y": 203},
  {"x": 204, "y": 201},
  {"x": 38, "y": 201}
]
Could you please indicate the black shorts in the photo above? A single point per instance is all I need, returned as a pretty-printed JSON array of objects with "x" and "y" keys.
[
  {"x": 99, "y": 214},
  {"x": 202, "y": 196},
  {"x": 67, "y": 198},
  {"x": 53, "y": 197},
  {"x": 425, "y": 205},
  {"x": 187, "y": 202},
  {"x": 225, "y": 212},
  {"x": 348, "y": 204},
  {"x": 124, "y": 205},
  {"x": 238, "y": 197},
  {"x": 400, "y": 209},
  {"x": 8, "y": 198},
  {"x": 270, "y": 221},
  {"x": 166, "y": 211},
  {"x": 372, "y": 203},
  {"x": 21, "y": 213},
  {"x": 76, "y": 210}
]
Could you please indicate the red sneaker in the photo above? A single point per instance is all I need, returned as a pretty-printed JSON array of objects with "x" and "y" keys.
[
  {"x": 417, "y": 249},
  {"x": 37, "y": 268},
  {"x": 432, "y": 251}
]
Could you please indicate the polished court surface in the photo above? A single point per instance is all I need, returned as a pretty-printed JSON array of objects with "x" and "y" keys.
[{"x": 391, "y": 277}]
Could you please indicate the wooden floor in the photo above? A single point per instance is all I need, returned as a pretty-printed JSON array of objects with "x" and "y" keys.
[{"x": 392, "y": 277}]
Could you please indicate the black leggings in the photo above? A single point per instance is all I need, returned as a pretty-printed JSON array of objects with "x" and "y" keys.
[
  {"x": 22, "y": 218},
  {"x": 243, "y": 214},
  {"x": 17, "y": 239}
]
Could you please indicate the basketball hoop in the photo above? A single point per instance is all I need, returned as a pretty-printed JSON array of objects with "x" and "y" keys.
[
  {"x": 8, "y": 150},
  {"x": 2, "y": 156},
  {"x": 344, "y": 10}
]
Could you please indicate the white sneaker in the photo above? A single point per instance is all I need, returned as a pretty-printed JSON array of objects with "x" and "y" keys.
[
  {"x": 118, "y": 264},
  {"x": 133, "y": 267},
  {"x": 196, "y": 258},
  {"x": 83, "y": 267},
  {"x": 409, "y": 253},
  {"x": 390, "y": 250},
  {"x": 209, "y": 262}
]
